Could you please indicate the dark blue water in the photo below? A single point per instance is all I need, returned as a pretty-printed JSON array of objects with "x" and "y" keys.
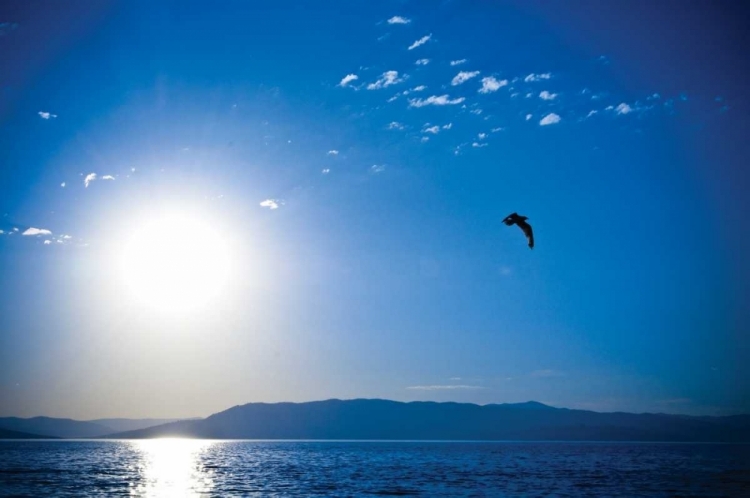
[{"x": 183, "y": 468}]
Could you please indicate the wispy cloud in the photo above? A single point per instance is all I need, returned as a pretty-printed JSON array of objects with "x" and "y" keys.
[
  {"x": 108, "y": 177},
  {"x": 623, "y": 108},
  {"x": 395, "y": 125},
  {"x": 62, "y": 184},
  {"x": 478, "y": 144},
  {"x": 398, "y": 20},
  {"x": 422, "y": 62},
  {"x": 591, "y": 113},
  {"x": 424, "y": 139},
  {"x": 325, "y": 171},
  {"x": 418, "y": 88},
  {"x": 89, "y": 178},
  {"x": 491, "y": 84},
  {"x": 333, "y": 152},
  {"x": 545, "y": 95},
  {"x": 348, "y": 79},
  {"x": 435, "y": 100},
  {"x": 482, "y": 136},
  {"x": 458, "y": 62},
  {"x": 463, "y": 77},
  {"x": 388, "y": 78},
  {"x": 31, "y": 231},
  {"x": 537, "y": 77},
  {"x": 432, "y": 129},
  {"x": 529, "y": 116},
  {"x": 476, "y": 111},
  {"x": 271, "y": 203},
  {"x": 448, "y": 126},
  {"x": 495, "y": 130},
  {"x": 550, "y": 119},
  {"x": 420, "y": 42},
  {"x": 444, "y": 387},
  {"x": 46, "y": 115},
  {"x": 377, "y": 168}
]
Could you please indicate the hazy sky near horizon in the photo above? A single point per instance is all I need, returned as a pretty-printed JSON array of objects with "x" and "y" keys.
[{"x": 208, "y": 205}]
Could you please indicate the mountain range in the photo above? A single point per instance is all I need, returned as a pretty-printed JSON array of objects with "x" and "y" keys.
[
  {"x": 67, "y": 428},
  {"x": 392, "y": 420}
]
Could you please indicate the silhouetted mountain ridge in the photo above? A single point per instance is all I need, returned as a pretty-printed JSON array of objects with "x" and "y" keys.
[
  {"x": 68, "y": 428},
  {"x": 393, "y": 420}
]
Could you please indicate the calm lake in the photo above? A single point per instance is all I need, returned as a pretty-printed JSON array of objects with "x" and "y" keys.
[{"x": 181, "y": 468}]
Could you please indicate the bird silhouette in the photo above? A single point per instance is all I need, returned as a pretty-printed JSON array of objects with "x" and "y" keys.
[{"x": 515, "y": 219}]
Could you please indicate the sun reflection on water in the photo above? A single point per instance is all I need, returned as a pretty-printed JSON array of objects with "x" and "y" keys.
[{"x": 172, "y": 468}]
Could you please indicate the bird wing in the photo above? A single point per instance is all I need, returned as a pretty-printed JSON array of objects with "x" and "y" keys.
[{"x": 527, "y": 231}]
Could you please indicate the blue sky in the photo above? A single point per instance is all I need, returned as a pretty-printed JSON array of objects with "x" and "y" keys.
[{"x": 355, "y": 160}]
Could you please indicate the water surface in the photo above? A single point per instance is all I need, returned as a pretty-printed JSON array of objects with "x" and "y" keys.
[{"x": 183, "y": 468}]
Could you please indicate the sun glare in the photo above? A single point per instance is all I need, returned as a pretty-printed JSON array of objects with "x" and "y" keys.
[{"x": 175, "y": 262}]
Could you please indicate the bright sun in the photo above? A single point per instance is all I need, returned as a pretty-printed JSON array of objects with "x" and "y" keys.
[{"x": 175, "y": 262}]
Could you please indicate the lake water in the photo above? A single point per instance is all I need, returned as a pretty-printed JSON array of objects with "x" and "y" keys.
[{"x": 183, "y": 468}]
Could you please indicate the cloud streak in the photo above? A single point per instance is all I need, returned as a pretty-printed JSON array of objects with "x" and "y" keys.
[
  {"x": 463, "y": 77},
  {"x": 420, "y": 42},
  {"x": 348, "y": 79},
  {"x": 31, "y": 231},
  {"x": 435, "y": 100},
  {"x": 399, "y": 20},
  {"x": 387, "y": 79}
]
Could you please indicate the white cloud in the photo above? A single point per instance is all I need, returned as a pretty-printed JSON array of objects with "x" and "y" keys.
[
  {"x": 108, "y": 177},
  {"x": 422, "y": 62},
  {"x": 495, "y": 130},
  {"x": 545, "y": 95},
  {"x": 463, "y": 77},
  {"x": 528, "y": 117},
  {"x": 490, "y": 84},
  {"x": 333, "y": 152},
  {"x": 435, "y": 100},
  {"x": 591, "y": 113},
  {"x": 36, "y": 231},
  {"x": 445, "y": 387},
  {"x": 67, "y": 237},
  {"x": 348, "y": 79},
  {"x": 537, "y": 77},
  {"x": 398, "y": 20},
  {"x": 89, "y": 178},
  {"x": 419, "y": 88},
  {"x": 271, "y": 203},
  {"x": 388, "y": 78},
  {"x": 420, "y": 42},
  {"x": 62, "y": 184},
  {"x": 476, "y": 111},
  {"x": 448, "y": 126},
  {"x": 425, "y": 139},
  {"x": 395, "y": 125},
  {"x": 458, "y": 62},
  {"x": 47, "y": 242},
  {"x": 482, "y": 136},
  {"x": 550, "y": 119},
  {"x": 377, "y": 168},
  {"x": 477, "y": 144},
  {"x": 46, "y": 115},
  {"x": 395, "y": 97},
  {"x": 623, "y": 108},
  {"x": 432, "y": 129},
  {"x": 326, "y": 171}
]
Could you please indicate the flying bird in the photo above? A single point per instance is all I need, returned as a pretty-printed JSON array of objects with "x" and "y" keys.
[{"x": 515, "y": 219}]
